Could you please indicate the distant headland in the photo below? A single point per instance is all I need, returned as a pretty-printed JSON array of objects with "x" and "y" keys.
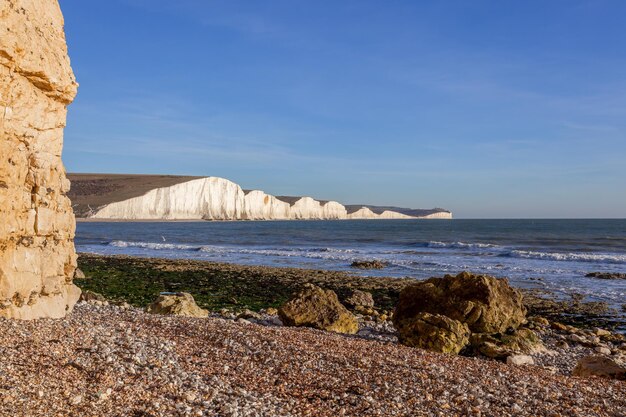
[{"x": 169, "y": 197}]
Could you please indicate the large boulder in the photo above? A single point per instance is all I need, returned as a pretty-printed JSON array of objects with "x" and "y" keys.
[
  {"x": 176, "y": 304},
  {"x": 318, "y": 308},
  {"x": 434, "y": 332},
  {"x": 486, "y": 304},
  {"x": 600, "y": 366},
  {"x": 37, "y": 257}
]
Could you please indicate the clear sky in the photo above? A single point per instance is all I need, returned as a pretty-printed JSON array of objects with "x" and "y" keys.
[{"x": 487, "y": 108}]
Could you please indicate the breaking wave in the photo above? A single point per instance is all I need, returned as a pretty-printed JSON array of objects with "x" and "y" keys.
[{"x": 576, "y": 257}]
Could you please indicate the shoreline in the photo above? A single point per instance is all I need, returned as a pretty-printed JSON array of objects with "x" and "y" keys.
[{"x": 217, "y": 285}]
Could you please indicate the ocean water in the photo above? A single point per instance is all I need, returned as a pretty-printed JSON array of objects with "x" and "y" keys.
[{"x": 548, "y": 254}]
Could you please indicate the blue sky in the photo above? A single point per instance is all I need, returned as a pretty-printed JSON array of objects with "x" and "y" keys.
[{"x": 488, "y": 108}]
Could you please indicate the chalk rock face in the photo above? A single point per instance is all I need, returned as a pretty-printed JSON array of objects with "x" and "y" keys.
[
  {"x": 318, "y": 308},
  {"x": 37, "y": 257},
  {"x": 440, "y": 215},
  {"x": 366, "y": 213},
  {"x": 210, "y": 198},
  {"x": 215, "y": 198},
  {"x": 262, "y": 206}
]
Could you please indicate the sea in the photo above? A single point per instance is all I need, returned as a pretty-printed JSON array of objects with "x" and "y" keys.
[{"x": 553, "y": 255}]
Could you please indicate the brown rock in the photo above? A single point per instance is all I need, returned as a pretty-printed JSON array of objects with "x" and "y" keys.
[
  {"x": 434, "y": 332},
  {"x": 360, "y": 298},
  {"x": 606, "y": 275},
  {"x": 37, "y": 257},
  {"x": 318, "y": 308},
  {"x": 500, "y": 346},
  {"x": 91, "y": 296},
  {"x": 486, "y": 304},
  {"x": 601, "y": 366},
  {"x": 375, "y": 264},
  {"x": 176, "y": 304}
]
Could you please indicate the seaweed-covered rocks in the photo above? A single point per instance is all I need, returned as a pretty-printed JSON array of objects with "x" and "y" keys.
[
  {"x": 374, "y": 264},
  {"x": 318, "y": 308},
  {"x": 607, "y": 275},
  {"x": 177, "y": 304}
]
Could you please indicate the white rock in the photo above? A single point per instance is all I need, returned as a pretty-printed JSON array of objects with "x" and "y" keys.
[
  {"x": 603, "y": 350},
  {"x": 518, "y": 360}
]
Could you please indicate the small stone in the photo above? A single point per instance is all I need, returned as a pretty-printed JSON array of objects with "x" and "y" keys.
[
  {"x": 603, "y": 350},
  {"x": 541, "y": 321},
  {"x": 76, "y": 400},
  {"x": 558, "y": 326},
  {"x": 577, "y": 339},
  {"x": 518, "y": 360},
  {"x": 601, "y": 332},
  {"x": 190, "y": 396}
]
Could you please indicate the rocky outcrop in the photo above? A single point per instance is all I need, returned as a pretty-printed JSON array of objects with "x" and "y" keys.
[
  {"x": 434, "y": 314},
  {"x": 37, "y": 257},
  {"x": 320, "y": 309},
  {"x": 176, "y": 304},
  {"x": 214, "y": 198},
  {"x": 606, "y": 275},
  {"x": 486, "y": 304}
]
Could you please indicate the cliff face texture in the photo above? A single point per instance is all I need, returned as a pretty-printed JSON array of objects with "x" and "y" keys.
[
  {"x": 214, "y": 198},
  {"x": 37, "y": 258}
]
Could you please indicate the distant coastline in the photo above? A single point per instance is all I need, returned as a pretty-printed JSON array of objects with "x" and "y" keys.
[{"x": 171, "y": 198}]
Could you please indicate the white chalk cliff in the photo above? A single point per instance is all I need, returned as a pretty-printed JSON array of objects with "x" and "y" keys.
[{"x": 214, "y": 198}]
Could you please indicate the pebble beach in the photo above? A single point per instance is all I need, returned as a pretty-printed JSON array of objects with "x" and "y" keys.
[{"x": 120, "y": 361}]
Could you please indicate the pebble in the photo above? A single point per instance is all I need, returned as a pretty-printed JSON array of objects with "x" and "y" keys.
[{"x": 518, "y": 360}]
